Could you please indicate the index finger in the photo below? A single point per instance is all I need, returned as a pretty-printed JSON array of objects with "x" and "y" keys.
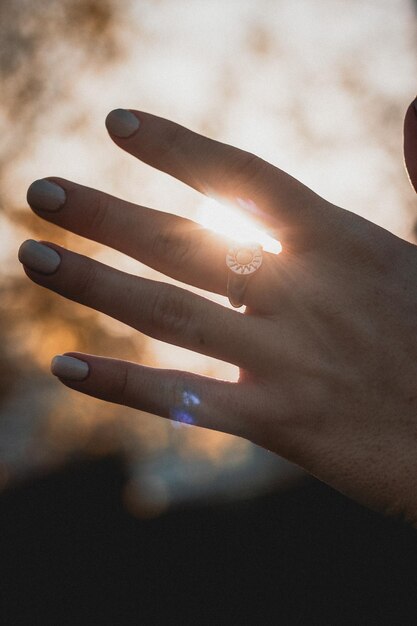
[{"x": 216, "y": 169}]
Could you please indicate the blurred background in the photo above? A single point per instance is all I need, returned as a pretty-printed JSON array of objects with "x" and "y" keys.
[{"x": 317, "y": 88}]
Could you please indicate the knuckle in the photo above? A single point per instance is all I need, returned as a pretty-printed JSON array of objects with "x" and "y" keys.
[
  {"x": 173, "y": 247},
  {"x": 170, "y": 314},
  {"x": 176, "y": 391},
  {"x": 86, "y": 280},
  {"x": 96, "y": 216},
  {"x": 245, "y": 169},
  {"x": 124, "y": 384}
]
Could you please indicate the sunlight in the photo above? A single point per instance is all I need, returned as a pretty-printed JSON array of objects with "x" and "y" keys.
[
  {"x": 279, "y": 108},
  {"x": 231, "y": 222}
]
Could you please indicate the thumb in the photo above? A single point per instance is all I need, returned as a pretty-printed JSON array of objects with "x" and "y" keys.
[{"x": 410, "y": 142}]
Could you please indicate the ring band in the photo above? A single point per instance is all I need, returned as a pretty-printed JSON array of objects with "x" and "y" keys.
[{"x": 243, "y": 260}]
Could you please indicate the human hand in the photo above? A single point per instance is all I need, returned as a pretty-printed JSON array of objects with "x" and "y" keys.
[{"x": 327, "y": 346}]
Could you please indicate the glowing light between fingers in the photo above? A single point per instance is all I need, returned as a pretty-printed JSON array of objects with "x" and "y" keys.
[
  {"x": 231, "y": 222},
  {"x": 183, "y": 414}
]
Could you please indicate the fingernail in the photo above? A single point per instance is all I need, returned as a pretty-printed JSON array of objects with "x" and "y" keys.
[
  {"x": 69, "y": 367},
  {"x": 415, "y": 105},
  {"x": 45, "y": 195},
  {"x": 122, "y": 123},
  {"x": 38, "y": 257}
]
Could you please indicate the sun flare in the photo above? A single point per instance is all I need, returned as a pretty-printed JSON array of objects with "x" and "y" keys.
[{"x": 231, "y": 222}]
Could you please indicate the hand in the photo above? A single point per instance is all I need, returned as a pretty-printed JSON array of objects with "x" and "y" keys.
[{"x": 327, "y": 347}]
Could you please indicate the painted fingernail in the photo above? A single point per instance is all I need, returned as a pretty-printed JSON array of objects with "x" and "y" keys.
[
  {"x": 122, "y": 123},
  {"x": 45, "y": 195},
  {"x": 415, "y": 104},
  {"x": 38, "y": 257},
  {"x": 69, "y": 367}
]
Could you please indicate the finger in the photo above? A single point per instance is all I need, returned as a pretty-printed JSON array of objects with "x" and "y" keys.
[
  {"x": 410, "y": 142},
  {"x": 178, "y": 247},
  {"x": 216, "y": 169},
  {"x": 157, "y": 309},
  {"x": 180, "y": 396}
]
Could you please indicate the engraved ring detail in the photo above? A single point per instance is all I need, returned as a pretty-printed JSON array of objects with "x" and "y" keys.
[{"x": 243, "y": 260}]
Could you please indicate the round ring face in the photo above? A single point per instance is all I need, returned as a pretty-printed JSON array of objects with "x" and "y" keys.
[{"x": 244, "y": 259}]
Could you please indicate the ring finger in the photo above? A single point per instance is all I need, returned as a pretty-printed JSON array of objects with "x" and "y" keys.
[{"x": 157, "y": 309}]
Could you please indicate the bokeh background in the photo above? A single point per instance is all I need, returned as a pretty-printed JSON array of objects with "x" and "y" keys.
[{"x": 318, "y": 88}]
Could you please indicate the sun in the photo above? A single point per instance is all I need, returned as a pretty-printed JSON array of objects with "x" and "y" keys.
[{"x": 231, "y": 221}]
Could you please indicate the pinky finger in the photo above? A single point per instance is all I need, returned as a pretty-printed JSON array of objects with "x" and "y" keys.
[{"x": 179, "y": 396}]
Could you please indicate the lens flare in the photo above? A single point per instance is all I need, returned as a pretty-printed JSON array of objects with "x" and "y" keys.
[
  {"x": 233, "y": 222},
  {"x": 183, "y": 413}
]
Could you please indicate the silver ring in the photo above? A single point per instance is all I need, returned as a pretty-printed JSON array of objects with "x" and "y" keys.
[{"x": 243, "y": 260}]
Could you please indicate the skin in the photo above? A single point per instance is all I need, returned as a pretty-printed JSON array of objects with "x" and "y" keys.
[{"x": 327, "y": 345}]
